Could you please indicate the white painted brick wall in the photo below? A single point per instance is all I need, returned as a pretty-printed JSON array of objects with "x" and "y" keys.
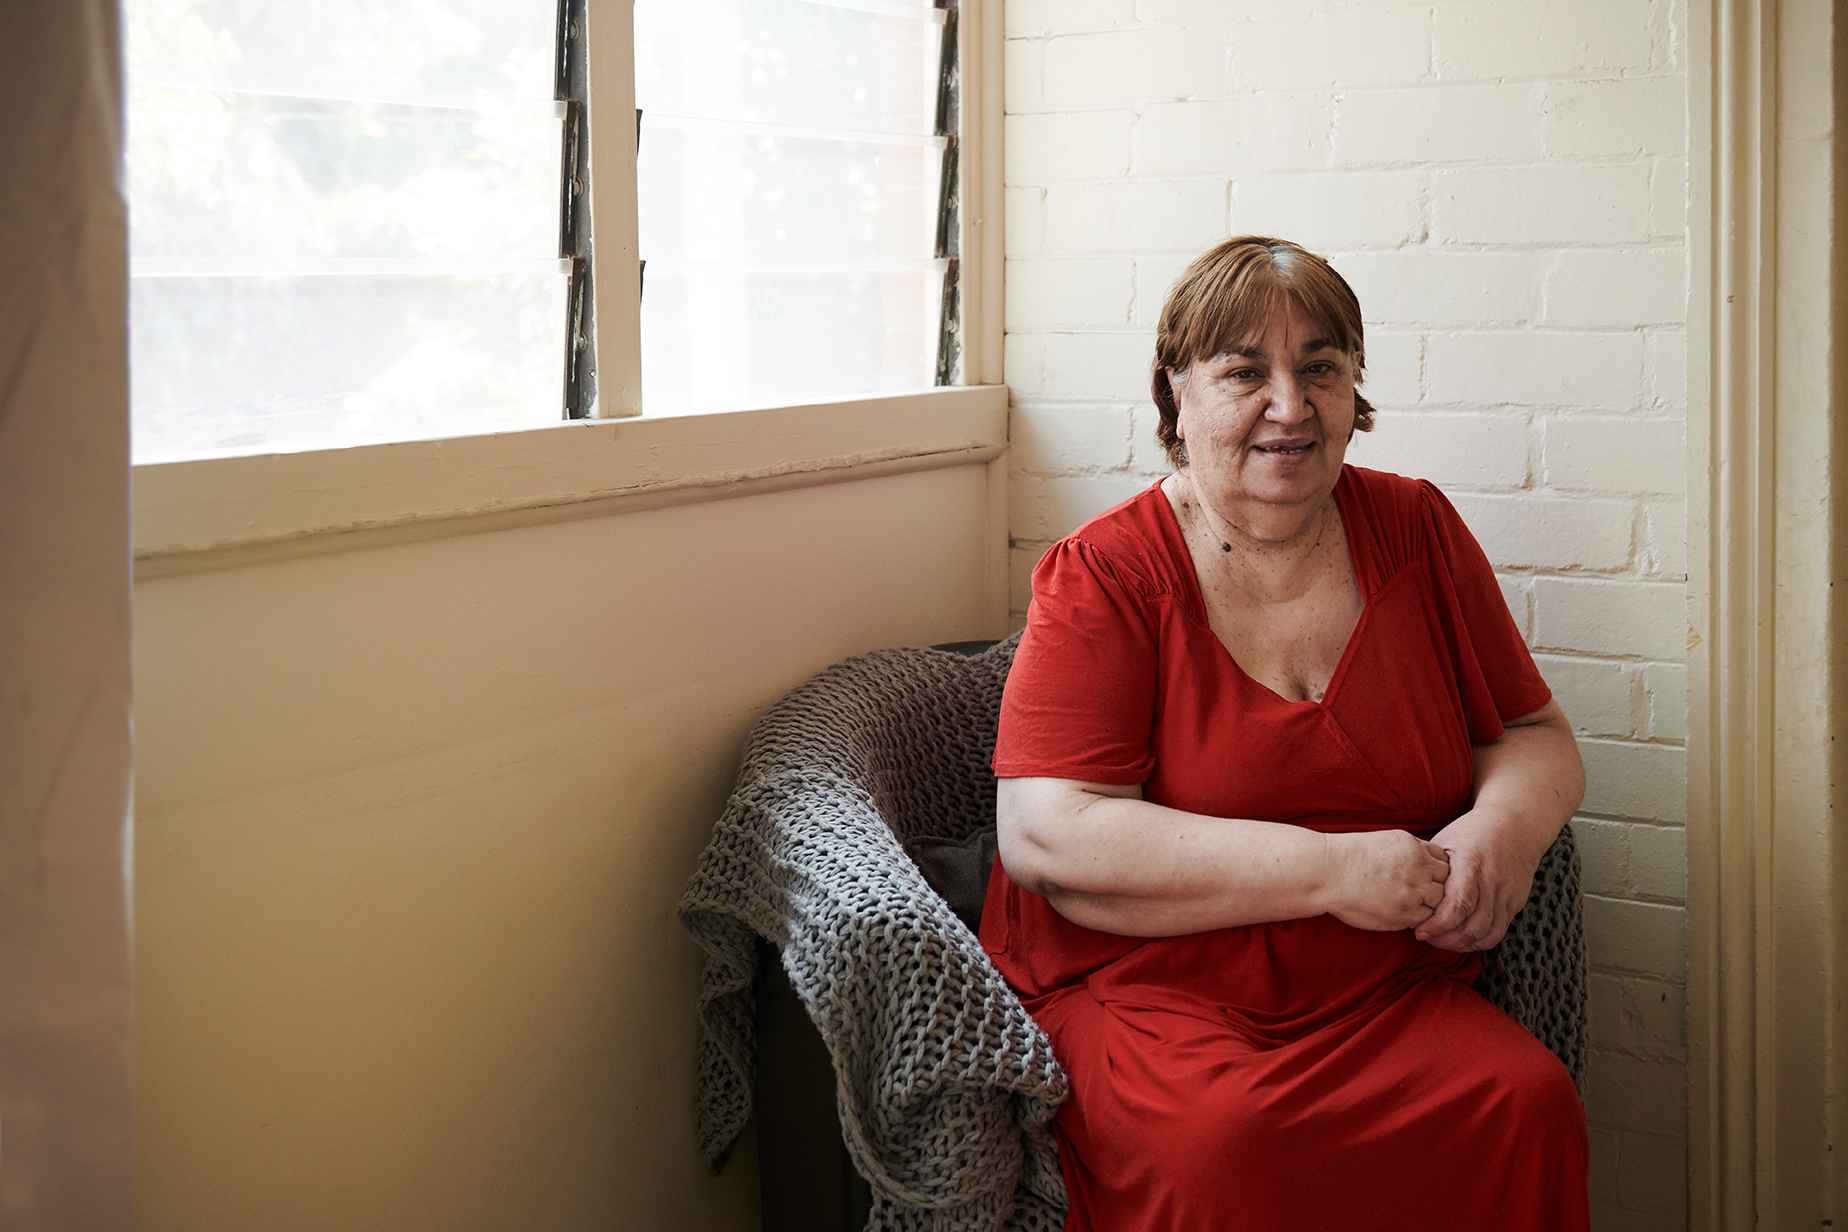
[
  {"x": 1144, "y": 65},
  {"x": 1133, "y": 215},
  {"x": 1381, "y": 209},
  {"x": 1548, "y": 39},
  {"x": 1616, "y": 454},
  {"x": 1374, "y": 46},
  {"x": 1058, "y": 146},
  {"x": 1436, "y": 124},
  {"x": 1593, "y": 203},
  {"x": 1616, "y": 290},
  {"x": 1434, "y": 287},
  {"x": 1614, "y": 119},
  {"x": 1611, "y": 616},
  {"x": 1539, "y": 532},
  {"x": 1504, "y": 182},
  {"x": 1096, "y": 293},
  {"x": 1210, "y": 138},
  {"x": 1584, "y": 370}
]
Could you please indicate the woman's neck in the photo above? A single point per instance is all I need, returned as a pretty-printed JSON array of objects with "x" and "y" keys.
[{"x": 1269, "y": 551}]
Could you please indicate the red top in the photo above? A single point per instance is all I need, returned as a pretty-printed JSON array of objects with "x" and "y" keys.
[{"x": 1120, "y": 679}]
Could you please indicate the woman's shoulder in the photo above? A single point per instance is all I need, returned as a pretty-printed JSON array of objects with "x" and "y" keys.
[
  {"x": 1405, "y": 518},
  {"x": 1392, "y": 503},
  {"x": 1135, "y": 540},
  {"x": 1389, "y": 492}
]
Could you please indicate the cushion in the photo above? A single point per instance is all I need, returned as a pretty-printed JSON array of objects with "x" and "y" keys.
[{"x": 958, "y": 870}]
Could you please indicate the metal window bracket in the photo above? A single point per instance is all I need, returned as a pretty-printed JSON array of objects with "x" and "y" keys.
[
  {"x": 949, "y": 226},
  {"x": 571, "y": 80}
]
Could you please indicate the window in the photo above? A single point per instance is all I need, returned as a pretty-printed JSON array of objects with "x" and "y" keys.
[{"x": 346, "y": 222}]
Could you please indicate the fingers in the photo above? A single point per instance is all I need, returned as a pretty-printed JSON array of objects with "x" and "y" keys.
[
  {"x": 1477, "y": 933},
  {"x": 1427, "y": 870},
  {"x": 1461, "y": 900},
  {"x": 1437, "y": 864},
  {"x": 1488, "y": 883},
  {"x": 1479, "y": 901},
  {"x": 1388, "y": 880},
  {"x": 1479, "y": 929}
]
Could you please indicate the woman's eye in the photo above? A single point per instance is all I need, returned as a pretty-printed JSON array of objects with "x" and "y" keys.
[{"x": 1242, "y": 374}]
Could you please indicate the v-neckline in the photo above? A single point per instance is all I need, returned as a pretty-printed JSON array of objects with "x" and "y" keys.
[{"x": 1363, "y": 578}]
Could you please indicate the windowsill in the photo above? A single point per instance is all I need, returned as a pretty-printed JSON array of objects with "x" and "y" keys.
[{"x": 222, "y": 512}]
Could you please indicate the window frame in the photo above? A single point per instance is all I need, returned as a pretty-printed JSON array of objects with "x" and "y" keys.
[{"x": 218, "y": 512}]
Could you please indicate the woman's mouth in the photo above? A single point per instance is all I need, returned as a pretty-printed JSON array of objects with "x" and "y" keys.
[{"x": 1285, "y": 449}]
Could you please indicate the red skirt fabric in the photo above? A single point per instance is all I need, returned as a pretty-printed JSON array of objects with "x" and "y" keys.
[{"x": 1306, "y": 1075}]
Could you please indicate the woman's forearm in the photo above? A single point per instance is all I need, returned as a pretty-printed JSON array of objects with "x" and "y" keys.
[
  {"x": 1121, "y": 864},
  {"x": 1531, "y": 779},
  {"x": 1109, "y": 860}
]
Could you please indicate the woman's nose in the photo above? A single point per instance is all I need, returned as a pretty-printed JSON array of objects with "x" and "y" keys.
[{"x": 1289, "y": 401}]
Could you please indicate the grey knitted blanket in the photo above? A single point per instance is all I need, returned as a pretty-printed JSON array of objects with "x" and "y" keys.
[{"x": 945, "y": 1086}]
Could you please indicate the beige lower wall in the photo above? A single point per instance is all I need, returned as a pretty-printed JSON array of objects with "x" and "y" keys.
[{"x": 413, "y": 823}]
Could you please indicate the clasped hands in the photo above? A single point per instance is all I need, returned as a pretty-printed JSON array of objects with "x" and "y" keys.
[{"x": 1457, "y": 890}]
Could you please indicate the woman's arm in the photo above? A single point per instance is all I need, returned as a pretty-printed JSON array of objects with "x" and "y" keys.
[
  {"x": 1107, "y": 859},
  {"x": 1528, "y": 782}
]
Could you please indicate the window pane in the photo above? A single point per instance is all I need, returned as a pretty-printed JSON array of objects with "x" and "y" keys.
[
  {"x": 788, "y": 62},
  {"x": 723, "y": 339},
  {"x": 343, "y": 222},
  {"x": 790, "y": 182},
  {"x": 731, "y": 196},
  {"x": 345, "y": 48},
  {"x": 250, "y": 364},
  {"x": 222, "y": 175}
]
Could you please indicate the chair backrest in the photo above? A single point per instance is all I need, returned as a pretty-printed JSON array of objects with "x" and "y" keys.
[
  {"x": 1538, "y": 972},
  {"x": 914, "y": 727}
]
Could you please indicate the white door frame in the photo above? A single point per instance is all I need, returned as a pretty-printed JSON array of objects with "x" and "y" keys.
[{"x": 1765, "y": 379}]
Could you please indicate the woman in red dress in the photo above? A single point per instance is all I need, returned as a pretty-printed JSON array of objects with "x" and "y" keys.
[{"x": 1275, "y": 767}]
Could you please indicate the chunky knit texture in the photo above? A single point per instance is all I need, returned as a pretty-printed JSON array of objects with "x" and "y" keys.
[
  {"x": 945, "y": 1086},
  {"x": 1537, "y": 973}
]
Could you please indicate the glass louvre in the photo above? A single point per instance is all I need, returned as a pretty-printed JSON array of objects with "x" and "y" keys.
[
  {"x": 799, "y": 62},
  {"x": 790, "y": 181},
  {"x": 804, "y": 198},
  {"x": 344, "y": 222}
]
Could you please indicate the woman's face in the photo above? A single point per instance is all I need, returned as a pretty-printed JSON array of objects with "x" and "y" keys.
[{"x": 1269, "y": 420}]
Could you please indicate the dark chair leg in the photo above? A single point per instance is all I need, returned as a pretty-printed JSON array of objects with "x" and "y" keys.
[{"x": 807, "y": 1181}]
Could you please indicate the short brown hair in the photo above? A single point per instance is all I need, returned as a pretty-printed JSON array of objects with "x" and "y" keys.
[{"x": 1231, "y": 292}]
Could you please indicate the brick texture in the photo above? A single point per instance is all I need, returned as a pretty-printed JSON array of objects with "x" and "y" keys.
[{"x": 1505, "y": 184}]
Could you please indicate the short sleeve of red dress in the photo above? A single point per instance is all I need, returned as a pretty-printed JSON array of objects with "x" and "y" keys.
[
  {"x": 1080, "y": 698},
  {"x": 1496, "y": 672}
]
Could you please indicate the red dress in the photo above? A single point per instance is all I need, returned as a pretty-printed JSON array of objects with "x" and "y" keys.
[{"x": 1304, "y": 1074}]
